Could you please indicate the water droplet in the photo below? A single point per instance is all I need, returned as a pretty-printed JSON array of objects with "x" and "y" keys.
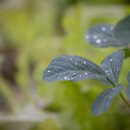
[
  {"x": 80, "y": 76},
  {"x": 86, "y": 73},
  {"x": 84, "y": 62},
  {"x": 98, "y": 41},
  {"x": 75, "y": 63},
  {"x": 103, "y": 29},
  {"x": 108, "y": 74},
  {"x": 106, "y": 71},
  {"x": 74, "y": 73},
  {"x": 114, "y": 70},
  {"x": 48, "y": 71},
  {"x": 65, "y": 77},
  {"x": 110, "y": 60},
  {"x": 71, "y": 58},
  {"x": 87, "y": 36}
]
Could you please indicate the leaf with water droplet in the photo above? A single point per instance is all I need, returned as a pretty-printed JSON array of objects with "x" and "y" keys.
[
  {"x": 101, "y": 35},
  {"x": 104, "y": 100},
  {"x": 128, "y": 87},
  {"x": 73, "y": 68},
  {"x": 122, "y": 31},
  {"x": 112, "y": 65}
]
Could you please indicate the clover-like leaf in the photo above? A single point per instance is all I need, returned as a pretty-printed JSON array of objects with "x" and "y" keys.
[
  {"x": 122, "y": 31},
  {"x": 105, "y": 35},
  {"x": 72, "y": 68},
  {"x": 101, "y": 35},
  {"x": 104, "y": 100},
  {"x": 112, "y": 65},
  {"x": 128, "y": 87}
]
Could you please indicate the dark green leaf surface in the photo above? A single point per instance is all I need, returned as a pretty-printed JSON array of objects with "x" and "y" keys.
[
  {"x": 112, "y": 65},
  {"x": 128, "y": 87},
  {"x": 127, "y": 52},
  {"x": 101, "y": 35},
  {"x": 72, "y": 68},
  {"x": 104, "y": 100},
  {"x": 105, "y": 35},
  {"x": 122, "y": 31}
]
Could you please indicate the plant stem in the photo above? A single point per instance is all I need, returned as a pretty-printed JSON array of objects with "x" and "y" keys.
[
  {"x": 124, "y": 99},
  {"x": 121, "y": 95}
]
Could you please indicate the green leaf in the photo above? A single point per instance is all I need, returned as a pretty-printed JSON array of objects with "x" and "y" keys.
[
  {"x": 127, "y": 52},
  {"x": 76, "y": 68},
  {"x": 128, "y": 87},
  {"x": 101, "y": 35},
  {"x": 112, "y": 65},
  {"x": 105, "y": 35},
  {"x": 73, "y": 68},
  {"x": 104, "y": 100},
  {"x": 122, "y": 31}
]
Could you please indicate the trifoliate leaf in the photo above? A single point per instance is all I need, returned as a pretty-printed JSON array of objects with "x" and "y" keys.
[
  {"x": 104, "y": 100},
  {"x": 101, "y": 35},
  {"x": 128, "y": 87},
  {"x": 72, "y": 68},
  {"x": 112, "y": 65},
  {"x": 122, "y": 31}
]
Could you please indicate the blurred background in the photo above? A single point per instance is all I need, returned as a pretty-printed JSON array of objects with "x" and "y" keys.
[{"x": 32, "y": 33}]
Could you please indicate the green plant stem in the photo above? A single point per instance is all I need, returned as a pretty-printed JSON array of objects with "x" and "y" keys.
[
  {"x": 124, "y": 99},
  {"x": 121, "y": 95}
]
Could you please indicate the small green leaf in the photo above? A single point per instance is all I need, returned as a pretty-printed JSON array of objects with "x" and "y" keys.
[
  {"x": 105, "y": 35},
  {"x": 101, "y": 35},
  {"x": 112, "y": 65},
  {"x": 104, "y": 100},
  {"x": 128, "y": 87},
  {"x": 122, "y": 31},
  {"x": 73, "y": 68}
]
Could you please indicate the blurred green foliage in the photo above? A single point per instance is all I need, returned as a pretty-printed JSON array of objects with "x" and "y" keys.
[{"x": 32, "y": 31}]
